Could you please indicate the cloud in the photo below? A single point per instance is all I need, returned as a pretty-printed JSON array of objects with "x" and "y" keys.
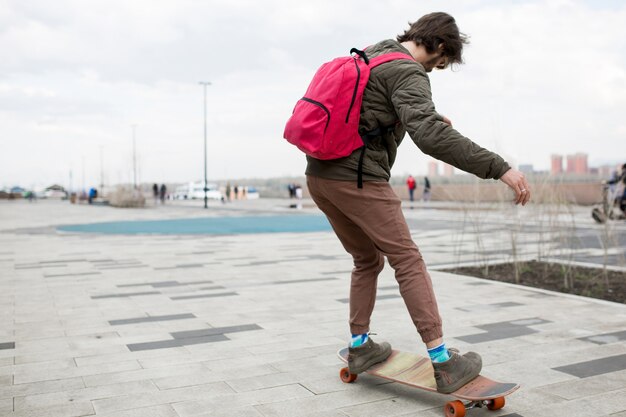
[{"x": 541, "y": 77}]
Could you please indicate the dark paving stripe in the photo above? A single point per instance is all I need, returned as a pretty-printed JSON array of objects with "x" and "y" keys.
[
  {"x": 503, "y": 330},
  {"x": 194, "y": 337},
  {"x": 215, "y": 331},
  {"x": 180, "y": 266},
  {"x": 476, "y": 284},
  {"x": 603, "y": 339},
  {"x": 595, "y": 367},
  {"x": 7, "y": 345},
  {"x": 163, "y": 344},
  {"x": 151, "y": 319},
  {"x": 380, "y": 297},
  {"x": 296, "y": 281},
  {"x": 152, "y": 284},
  {"x": 62, "y": 261},
  {"x": 75, "y": 274},
  {"x": 211, "y": 288},
  {"x": 191, "y": 297},
  {"x": 164, "y": 284},
  {"x": 39, "y": 266},
  {"x": 121, "y": 267},
  {"x": 130, "y": 294},
  {"x": 197, "y": 282}
]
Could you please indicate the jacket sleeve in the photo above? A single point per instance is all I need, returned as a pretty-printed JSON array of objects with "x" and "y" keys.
[{"x": 412, "y": 100}]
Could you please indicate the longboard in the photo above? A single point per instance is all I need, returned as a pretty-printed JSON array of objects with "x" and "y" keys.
[{"x": 417, "y": 371}]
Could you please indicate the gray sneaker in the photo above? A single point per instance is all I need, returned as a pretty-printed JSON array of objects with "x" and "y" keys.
[
  {"x": 367, "y": 355},
  {"x": 457, "y": 371}
]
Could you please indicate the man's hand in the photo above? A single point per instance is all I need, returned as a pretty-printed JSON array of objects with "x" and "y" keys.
[
  {"x": 446, "y": 120},
  {"x": 517, "y": 182}
]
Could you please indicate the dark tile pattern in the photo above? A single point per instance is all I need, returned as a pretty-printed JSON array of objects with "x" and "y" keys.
[
  {"x": 194, "y": 337},
  {"x": 215, "y": 331},
  {"x": 7, "y": 345},
  {"x": 75, "y": 274},
  {"x": 192, "y": 297},
  {"x": 595, "y": 367},
  {"x": 151, "y": 319},
  {"x": 603, "y": 339},
  {"x": 129, "y": 294},
  {"x": 503, "y": 330}
]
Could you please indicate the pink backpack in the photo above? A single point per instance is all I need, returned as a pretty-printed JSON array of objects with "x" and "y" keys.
[{"x": 325, "y": 122}]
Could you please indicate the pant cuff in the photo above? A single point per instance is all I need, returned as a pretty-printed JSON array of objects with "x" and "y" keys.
[
  {"x": 354, "y": 329},
  {"x": 430, "y": 334}
]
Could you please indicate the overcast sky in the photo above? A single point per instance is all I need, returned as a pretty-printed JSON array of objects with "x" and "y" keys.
[{"x": 541, "y": 77}]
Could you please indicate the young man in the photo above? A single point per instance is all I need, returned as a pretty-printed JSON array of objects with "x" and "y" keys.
[{"x": 369, "y": 221}]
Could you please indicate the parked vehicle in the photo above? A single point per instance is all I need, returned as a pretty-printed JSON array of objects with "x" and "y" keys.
[{"x": 195, "y": 190}]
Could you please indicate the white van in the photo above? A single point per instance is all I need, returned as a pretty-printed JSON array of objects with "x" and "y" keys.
[{"x": 195, "y": 190}]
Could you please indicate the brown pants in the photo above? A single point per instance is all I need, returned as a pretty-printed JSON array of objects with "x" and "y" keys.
[{"x": 370, "y": 225}]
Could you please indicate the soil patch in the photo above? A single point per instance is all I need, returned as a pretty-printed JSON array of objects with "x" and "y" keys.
[{"x": 589, "y": 282}]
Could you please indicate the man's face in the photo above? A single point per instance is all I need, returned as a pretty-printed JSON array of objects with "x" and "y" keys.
[{"x": 437, "y": 61}]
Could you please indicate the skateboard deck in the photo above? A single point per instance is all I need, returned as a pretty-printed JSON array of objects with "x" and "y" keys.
[{"x": 417, "y": 371}]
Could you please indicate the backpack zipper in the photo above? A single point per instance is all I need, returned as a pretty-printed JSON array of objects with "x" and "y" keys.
[
  {"x": 356, "y": 87},
  {"x": 320, "y": 105}
]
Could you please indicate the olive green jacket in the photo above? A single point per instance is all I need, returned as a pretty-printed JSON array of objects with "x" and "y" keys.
[{"x": 398, "y": 94}]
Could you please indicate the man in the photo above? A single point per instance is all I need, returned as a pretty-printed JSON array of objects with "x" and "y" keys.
[
  {"x": 426, "y": 194},
  {"x": 410, "y": 183},
  {"x": 621, "y": 201},
  {"x": 369, "y": 221}
]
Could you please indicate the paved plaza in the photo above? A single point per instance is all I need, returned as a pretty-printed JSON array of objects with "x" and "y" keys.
[{"x": 246, "y": 321}]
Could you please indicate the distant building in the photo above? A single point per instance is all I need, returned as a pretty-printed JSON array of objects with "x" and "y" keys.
[
  {"x": 448, "y": 170},
  {"x": 557, "y": 164},
  {"x": 606, "y": 171},
  {"x": 577, "y": 163},
  {"x": 433, "y": 169},
  {"x": 527, "y": 168}
]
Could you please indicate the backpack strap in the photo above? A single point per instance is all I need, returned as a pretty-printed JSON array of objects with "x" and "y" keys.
[
  {"x": 391, "y": 56},
  {"x": 374, "y": 62}
]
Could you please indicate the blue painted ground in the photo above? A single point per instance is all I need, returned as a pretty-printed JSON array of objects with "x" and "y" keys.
[{"x": 208, "y": 226}]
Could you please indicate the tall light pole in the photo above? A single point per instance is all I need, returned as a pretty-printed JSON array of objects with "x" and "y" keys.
[
  {"x": 204, "y": 85},
  {"x": 134, "y": 159}
]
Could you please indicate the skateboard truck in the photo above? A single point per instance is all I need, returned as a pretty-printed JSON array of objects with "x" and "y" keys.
[{"x": 457, "y": 408}]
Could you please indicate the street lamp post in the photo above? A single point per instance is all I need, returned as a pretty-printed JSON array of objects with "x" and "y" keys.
[
  {"x": 204, "y": 85},
  {"x": 134, "y": 158}
]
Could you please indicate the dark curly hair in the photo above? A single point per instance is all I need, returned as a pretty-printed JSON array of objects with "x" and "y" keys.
[{"x": 434, "y": 29}]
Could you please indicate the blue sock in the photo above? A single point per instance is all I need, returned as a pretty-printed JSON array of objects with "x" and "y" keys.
[
  {"x": 439, "y": 353},
  {"x": 358, "y": 340}
]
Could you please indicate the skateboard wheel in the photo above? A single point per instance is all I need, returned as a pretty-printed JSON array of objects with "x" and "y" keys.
[
  {"x": 454, "y": 409},
  {"x": 496, "y": 403},
  {"x": 346, "y": 376}
]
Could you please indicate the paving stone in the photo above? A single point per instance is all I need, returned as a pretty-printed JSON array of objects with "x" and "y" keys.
[
  {"x": 154, "y": 411},
  {"x": 68, "y": 372},
  {"x": 595, "y": 367},
  {"x": 72, "y": 410},
  {"x": 292, "y": 392},
  {"x": 153, "y": 374},
  {"x": 43, "y": 387},
  {"x": 140, "y": 400},
  {"x": 84, "y": 394}
]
